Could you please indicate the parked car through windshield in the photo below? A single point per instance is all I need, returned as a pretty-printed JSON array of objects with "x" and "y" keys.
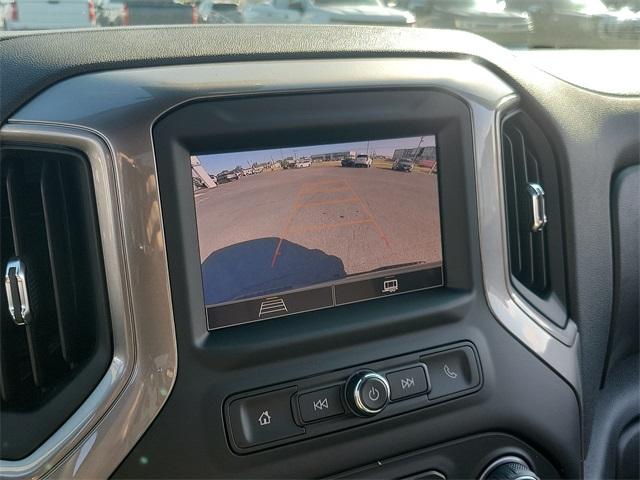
[{"x": 517, "y": 24}]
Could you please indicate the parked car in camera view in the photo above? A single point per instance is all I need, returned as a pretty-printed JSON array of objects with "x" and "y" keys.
[
  {"x": 303, "y": 163},
  {"x": 226, "y": 176},
  {"x": 348, "y": 160},
  {"x": 219, "y": 12},
  {"x": 362, "y": 12},
  {"x": 403, "y": 165},
  {"x": 362, "y": 160}
]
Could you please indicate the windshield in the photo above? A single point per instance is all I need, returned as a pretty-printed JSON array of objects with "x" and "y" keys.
[{"x": 515, "y": 24}]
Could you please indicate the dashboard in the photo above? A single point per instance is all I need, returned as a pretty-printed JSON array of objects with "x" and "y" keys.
[{"x": 369, "y": 253}]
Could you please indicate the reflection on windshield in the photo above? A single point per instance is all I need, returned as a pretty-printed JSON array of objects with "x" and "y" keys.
[
  {"x": 373, "y": 3},
  {"x": 512, "y": 23}
]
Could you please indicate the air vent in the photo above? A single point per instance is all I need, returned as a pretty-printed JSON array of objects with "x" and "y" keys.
[
  {"x": 527, "y": 239},
  {"x": 55, "y": 343},
  {"x": 534, "y": 226}
]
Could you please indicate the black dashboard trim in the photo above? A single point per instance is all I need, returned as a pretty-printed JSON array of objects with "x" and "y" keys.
[
  {"x": 33, "y": 61},
  {"x": 226, "y": 361}
]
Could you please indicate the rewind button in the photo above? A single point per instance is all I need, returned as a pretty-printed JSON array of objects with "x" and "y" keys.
[{"x": 320, "y": 404}]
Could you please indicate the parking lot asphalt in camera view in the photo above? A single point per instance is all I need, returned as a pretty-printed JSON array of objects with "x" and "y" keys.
[{"x": 288, "y": 229}]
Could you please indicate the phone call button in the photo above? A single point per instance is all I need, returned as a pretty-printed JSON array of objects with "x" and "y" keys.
[{"x": 452, "y": 371}]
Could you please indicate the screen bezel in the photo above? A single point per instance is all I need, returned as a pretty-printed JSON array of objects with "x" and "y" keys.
[{"x": 222, "y": 125}]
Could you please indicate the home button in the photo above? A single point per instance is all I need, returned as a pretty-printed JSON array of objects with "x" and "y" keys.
[{"x": 263, "y": 418}]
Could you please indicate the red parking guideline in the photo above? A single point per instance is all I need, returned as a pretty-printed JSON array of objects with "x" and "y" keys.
[{"x": 298, "y": 205}]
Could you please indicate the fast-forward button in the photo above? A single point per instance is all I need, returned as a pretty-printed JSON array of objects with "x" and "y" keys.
[{"x": 407, "y": 383}]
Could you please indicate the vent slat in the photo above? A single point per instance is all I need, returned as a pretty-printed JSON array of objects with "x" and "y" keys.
[
  {"x": 540, "y": 267},
  {"x": 523, "y": 176},
  {"x": 15, "y": 184},
  {"x": 56, "y": 221},
  {"x": 21, "y": 222},
  {"x": 15, "y": 370},
  {"x": 27, "y": 220},
  {"x": 533, "y": 168},
  {"x": 513, "y": 221},
  {"x": 16, "y": 378},
  {"x": 540, "y": 274}
]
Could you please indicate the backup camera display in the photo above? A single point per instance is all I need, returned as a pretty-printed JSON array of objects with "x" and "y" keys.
[{"x": 292, "y": 230}]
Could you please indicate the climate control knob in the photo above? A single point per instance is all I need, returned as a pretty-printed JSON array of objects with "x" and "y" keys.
[{"x": 367, "y": 393}]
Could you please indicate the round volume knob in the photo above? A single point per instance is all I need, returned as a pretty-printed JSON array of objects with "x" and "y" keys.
[
  {"x": 367, "y": 393},
  {"x": 509, "y": 468}
]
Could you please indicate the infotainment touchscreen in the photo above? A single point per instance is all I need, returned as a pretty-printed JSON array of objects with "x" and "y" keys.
[{"x": 291, "y": 230}]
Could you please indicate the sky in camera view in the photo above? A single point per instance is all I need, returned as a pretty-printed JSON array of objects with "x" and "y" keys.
[{"x": 216, "y": 163}]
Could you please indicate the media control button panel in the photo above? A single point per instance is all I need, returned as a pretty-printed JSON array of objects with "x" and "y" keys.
[{"x": 325, "y": 403}]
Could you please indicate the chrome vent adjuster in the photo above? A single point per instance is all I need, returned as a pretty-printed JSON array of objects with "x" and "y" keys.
[
  {"x": 15, "y": 283},
  {"x": 538, "y": 209}
]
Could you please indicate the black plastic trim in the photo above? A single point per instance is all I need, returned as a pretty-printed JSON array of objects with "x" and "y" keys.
[
  {"x": 348, "y": 420},
  {"x": 542, "y": 409}
]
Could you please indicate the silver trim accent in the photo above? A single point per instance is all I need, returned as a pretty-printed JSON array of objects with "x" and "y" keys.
[
  {"x": 23, "y": 296},
  {"x": 538, "y": 210},
  {"x": 143, "y": 368},
  {"x": 357, "y": 392},
  {"x": 558, "y": 347},
  {"x": 501, "y": 461}
]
